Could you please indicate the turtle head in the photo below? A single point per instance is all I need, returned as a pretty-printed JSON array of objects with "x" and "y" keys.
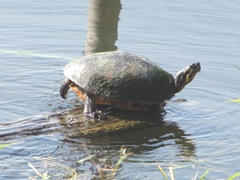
[{"x": 186, "y": 75}]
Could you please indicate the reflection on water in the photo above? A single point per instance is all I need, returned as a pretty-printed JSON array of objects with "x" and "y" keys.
[
  {"x": 150, "y": 133},
  {"x": 103, "y": 17}
]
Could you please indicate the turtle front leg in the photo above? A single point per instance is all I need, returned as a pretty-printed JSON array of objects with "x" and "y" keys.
[
  {"x": 90, "y": 110},
  {"x": 155, "y": 110}
]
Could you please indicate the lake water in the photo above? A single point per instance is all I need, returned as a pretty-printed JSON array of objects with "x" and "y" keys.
[{"x": 39, "y": 37}]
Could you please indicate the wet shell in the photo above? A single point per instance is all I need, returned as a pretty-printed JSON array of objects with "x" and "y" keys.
[{"x": 121, "y": 76}]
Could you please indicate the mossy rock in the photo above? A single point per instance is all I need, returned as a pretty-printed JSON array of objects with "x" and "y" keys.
[{"x": 117, "y": 122}]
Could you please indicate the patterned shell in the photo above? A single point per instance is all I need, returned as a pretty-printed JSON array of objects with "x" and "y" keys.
[{"x": 121, "y": 76}]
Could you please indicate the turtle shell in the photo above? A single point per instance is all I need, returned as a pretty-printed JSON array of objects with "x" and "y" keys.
[{"x": 121, "y": 76}]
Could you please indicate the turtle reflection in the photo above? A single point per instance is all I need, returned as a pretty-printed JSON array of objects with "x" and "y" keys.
[
  {"x": 144, "y": 136},
  {"x": 133, "y": 130}
]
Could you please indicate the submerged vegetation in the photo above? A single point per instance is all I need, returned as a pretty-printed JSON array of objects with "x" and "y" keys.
[
  {"x": 171, "y": 174},
  {"x": 109, "y": 172},
  {"x": 172, "y": 177},
  {"x": 105, "y": 171}
]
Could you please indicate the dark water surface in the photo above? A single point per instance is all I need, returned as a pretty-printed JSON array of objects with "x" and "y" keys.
[{"x": 39, "y": 37}]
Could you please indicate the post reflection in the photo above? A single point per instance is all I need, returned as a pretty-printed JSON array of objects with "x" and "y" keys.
[{"x": 103, "y": 17}]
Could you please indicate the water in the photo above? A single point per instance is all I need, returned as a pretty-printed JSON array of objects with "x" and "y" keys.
[{"x": 196, "y": 135}]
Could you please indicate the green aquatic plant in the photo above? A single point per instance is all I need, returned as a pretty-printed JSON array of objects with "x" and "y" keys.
[
  {"x": 122, "y": 156},
  {"x": 86, "y": 158},
  {"x": 3, "y": 146},
  {"x": 6, "y": 145},
  {"x": 54, "y": 170},
  {"x": 234, "y": 100},
  {"x": 44, "y": 176},
  {"x": 234, "y": 176},
  {"x": 171, "y": 174},
  {"x": 103, "y": 170}
]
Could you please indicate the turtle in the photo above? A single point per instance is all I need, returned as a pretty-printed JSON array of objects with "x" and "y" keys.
[{"x": 123, "y": 80}]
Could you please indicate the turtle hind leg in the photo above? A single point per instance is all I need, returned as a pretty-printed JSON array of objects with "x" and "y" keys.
[
  {"x": 65, "y": 87},
  {"x": 154, "y": 110}
]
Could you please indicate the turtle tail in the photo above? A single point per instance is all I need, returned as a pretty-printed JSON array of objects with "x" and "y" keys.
[{"x": 65, "y": 87}]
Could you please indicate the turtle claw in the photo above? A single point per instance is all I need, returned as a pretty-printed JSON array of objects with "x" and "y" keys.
[
  {"x": 101, "y": 116},
  {"x": 96, "y": 115},
  {"x": 107, "y": 111},
  {"x": 91, "y": 115}
]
